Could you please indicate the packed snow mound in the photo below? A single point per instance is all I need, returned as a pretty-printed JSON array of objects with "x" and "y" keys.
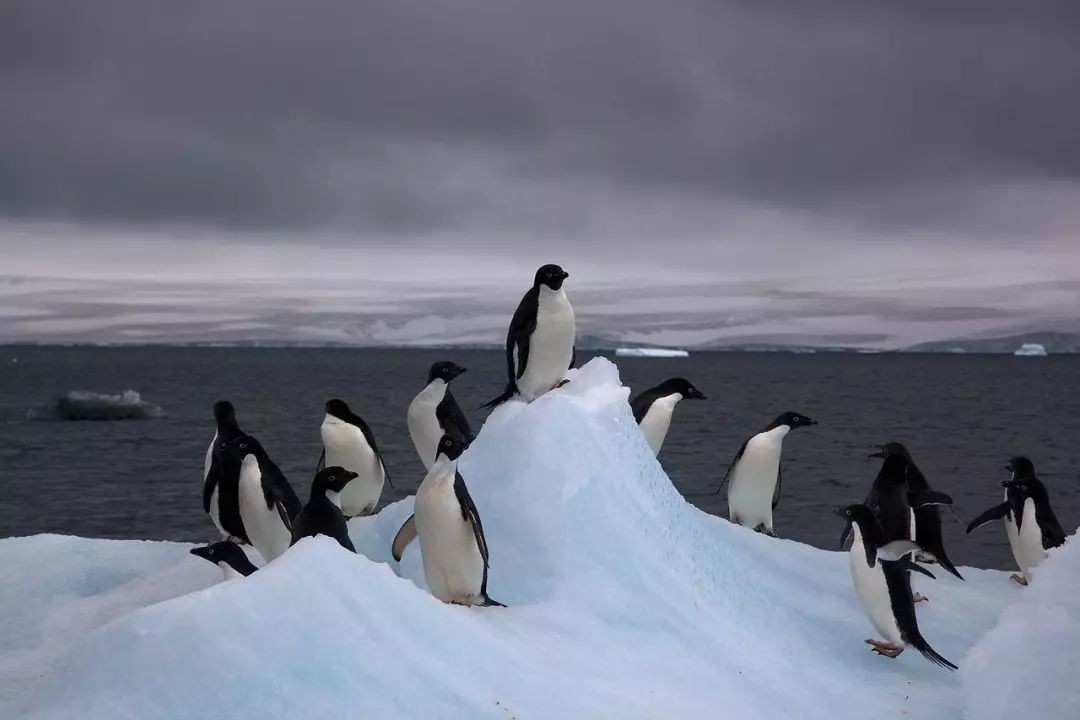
[
  {"x": 625, "y": 602},
  {"x": 84, "y": 405},
  {"x": 1027, "y": 666}
]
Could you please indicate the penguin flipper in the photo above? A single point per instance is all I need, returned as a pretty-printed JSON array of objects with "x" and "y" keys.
[
  {"x": 995, "y": 513},
  {"x": 472, "y": 516},
  {"x": 734, "y": 462},
  {"x": 321, "y": 465},
  {"x": 450, "y": 417},
  {"x": 776, "y": 490},
  {"x": 405, "y": 535},
  {"x": 928, "y": 497},
  {"x": 210, "y": 483}
]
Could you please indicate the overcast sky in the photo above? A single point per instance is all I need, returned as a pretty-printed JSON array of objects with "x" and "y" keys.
[{"x": 877, "y": 172}]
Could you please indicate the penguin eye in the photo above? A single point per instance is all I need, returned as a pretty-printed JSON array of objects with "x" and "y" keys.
[
  {"x": 210, "y": 552},
  {"x": 332, "y": 478},
  {"x": 222, "y": 446},
  {"x": 243, "y": 446}
]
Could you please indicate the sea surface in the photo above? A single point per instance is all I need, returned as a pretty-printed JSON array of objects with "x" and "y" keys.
[{"x": 962, "y": 417}]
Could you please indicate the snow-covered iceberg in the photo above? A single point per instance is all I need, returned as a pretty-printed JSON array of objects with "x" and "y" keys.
[
  {"x": 1030, "y": 350},
  {"x": 625, "y": 602},
  {"x": 84, "y": 405},
  {"x": 650, "y": 352}
]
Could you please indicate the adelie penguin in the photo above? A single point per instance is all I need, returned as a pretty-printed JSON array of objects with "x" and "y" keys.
[
  {"x": 228, "y": 556},
  {"x": 653, "y": 408},
  {"x": 265, "y": 502},
  {"x": 349, "y": 443},
  {"x": 1030, "y": 523},
  {"x": 880, "y": 571},
  {"x": 226, "y": 429},
  {"x": 540, "y": 341},
  {"x": 453, "y": 549},
  {"x": 755, "y": 474},
  {"x": 434, "y": 412},
  {"x": 322, "y": 515}
]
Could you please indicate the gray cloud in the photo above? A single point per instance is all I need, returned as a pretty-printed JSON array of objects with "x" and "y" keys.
[{"x": 404, "y": 119}]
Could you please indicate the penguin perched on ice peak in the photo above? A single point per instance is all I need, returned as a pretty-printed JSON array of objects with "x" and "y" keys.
[
  {"x": 265, "y": 502},
  {"x": 322, "y": 514},
  {"x": 434, "y": 412},
  {"x": 453, "y": 548},
  {"x": 755, "y": 473},
  {"x": 348, "y": 442},
  {"x": 1030, "y": 522},
  {"x": 654, "y": 407},
  {"x": 228, "y": 556},
  {"x": 540, "y": 340},
  {"x": 880, "y": 572}
]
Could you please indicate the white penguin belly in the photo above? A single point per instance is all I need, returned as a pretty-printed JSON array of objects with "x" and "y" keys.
[
  {"x": 424, "y": 426},
  {"x": 753, "y": 480},
  {"x": 551, "y": 346},
  {"x": 1029, "y": 540},
  {"x": 1013, "y": 535},
  {"x": 657, "y": 421},
  {"x": 346, "y": 446},
  {"x": 873, "y": 591},
  {"x": 264, "y": 526},
  {"x": 453, "y": 565}
]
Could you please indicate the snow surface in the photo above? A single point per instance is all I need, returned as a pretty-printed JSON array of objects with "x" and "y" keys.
[
  {"x": 625, "y": 602},
  {"x": 650, "y": 352}
]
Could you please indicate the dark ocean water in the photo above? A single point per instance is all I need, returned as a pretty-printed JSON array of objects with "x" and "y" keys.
[{"x": 961, "y": 416}]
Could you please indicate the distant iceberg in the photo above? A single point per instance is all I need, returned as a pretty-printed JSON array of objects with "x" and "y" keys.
[
  {"x": 624, "y": 602},
  {"x": 1030, "y": 350},
  {"x": 650, "y": 352},
  {"x": 83, "y": 405}
]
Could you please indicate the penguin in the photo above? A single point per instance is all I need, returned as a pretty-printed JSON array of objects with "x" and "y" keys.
[
  {"x": 880, "y": 571},
  {"x": 755, "y": 474},
  {"x": 266, "y": 503},
  {"x": 227, "y": 429},
  {"x": 349, "y": 443},
  {"x": 926, "y": 519},
  {"x": 453, "y": 549},
  {"x": 653, "y": 408},
  {"x": 540, "y": 341},
  {"x": 1027, "y": 509},
  {"x": 322, "y": 515},
  {"x": 227, "y": 556},
  {"x": 434, "y": 412}
]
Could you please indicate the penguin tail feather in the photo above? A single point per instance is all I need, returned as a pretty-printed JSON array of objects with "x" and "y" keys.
[
  {"x": 488, "y": 602},
  {"x": 920, "y": 644},
  {"x": 511, "y": 390}
]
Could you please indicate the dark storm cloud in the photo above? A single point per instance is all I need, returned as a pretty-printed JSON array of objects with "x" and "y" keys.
[{"x": 404, "y": 117}]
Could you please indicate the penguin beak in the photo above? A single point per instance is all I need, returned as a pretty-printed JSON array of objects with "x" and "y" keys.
[
  {"x": 565, "y": 275},
  {"x": 840, "y": 512},
  {"x": 881, "y": 453},
  {"x": 457, "y": 371},
  {"x": 811, "y": 421},
  {"x": 1006, "y": 483}
]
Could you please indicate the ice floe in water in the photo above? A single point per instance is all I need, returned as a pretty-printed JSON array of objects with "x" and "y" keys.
[
  {"x": 84, "y": 405},
  {"x": 650, "y": 352},
  {"x": 625, "y": 602}
]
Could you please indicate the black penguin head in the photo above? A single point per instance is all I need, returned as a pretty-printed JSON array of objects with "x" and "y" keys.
[
  {"x": 333, "y": 478},
  {"x": 1020, "y": 467},
  {"x": 239, "y": 448},
  {"x": 223, "y": 551},
  {"x": 679, "y": 385},
  {"x": 339, "y": 409},
  {"x": 224, "y": 412},
  {"x": 550, "y": 275},
  {"x": 792, "y": 420},
  {"x": 452, "y": 446},
  {"x": 892, "y": 449},
  {"x": 444, "y": 370},
  {"x": 858, "y": 514}
]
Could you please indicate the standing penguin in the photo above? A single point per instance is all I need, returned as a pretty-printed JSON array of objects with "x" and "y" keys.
[
  {"x": 540, "y": 341},
  {"x": 322, "y": 515},
  {"x": 880, "y": 571},
  {"x": 653, "y": 408},
  {"x": 349, "y": 443},
  {"x": 228, "y": 556},
  {"x": 226, "y": 429},
  {"x": 453, "y": 548},
  {"x": 755, "y": 474},
  {"x": 434, "y": 412},
  {"x": 926, "y": 519},
  {"x": 266, "y": 502},
  {"x": 1027, "y": 509}
]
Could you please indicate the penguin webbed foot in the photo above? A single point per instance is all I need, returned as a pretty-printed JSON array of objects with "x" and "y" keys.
[
  {"x": 1019, "y": 579},
  {"x": 883, "y": 648},
  {"x": 919, "y": 598},
  {"x": 925, "y": 558},
  {"x": 559, "y": 384},
  {"x": 765, "y": 530}
]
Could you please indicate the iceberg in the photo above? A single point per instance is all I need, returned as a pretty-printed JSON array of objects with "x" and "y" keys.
[
  {"x": 84, "y": 405},
  {"x": 624, "y": 601},
  {"x": 652, "y": 352},
  {"x": 1030, "y": 350}
]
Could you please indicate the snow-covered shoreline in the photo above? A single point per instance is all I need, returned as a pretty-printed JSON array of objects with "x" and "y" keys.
[{"x": 625, "y": 602}]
